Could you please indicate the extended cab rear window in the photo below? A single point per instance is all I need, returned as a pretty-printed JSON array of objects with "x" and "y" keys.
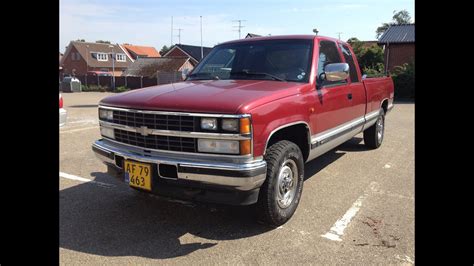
[{"x": 350, "y": 60}]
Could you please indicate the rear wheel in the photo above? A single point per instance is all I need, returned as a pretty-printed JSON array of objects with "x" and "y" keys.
[
  {"x": 281, "y": 192},
  {"x": 373, "y": 136}
]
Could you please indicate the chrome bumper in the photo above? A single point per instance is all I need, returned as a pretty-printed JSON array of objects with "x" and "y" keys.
[{"x": 238, "y": 176}]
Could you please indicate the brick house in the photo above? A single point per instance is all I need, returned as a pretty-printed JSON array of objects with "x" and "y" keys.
[
  {"x": 190, "y": 51},
  {"x": 135, "y": 51},
  {"x": 82, "y": 57},
  {"x": 399, "y": 45},
  {"x": 151, "y": 66}
]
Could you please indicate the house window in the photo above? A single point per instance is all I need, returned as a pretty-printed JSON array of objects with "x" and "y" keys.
[
  {"x": 102, "y": 57},
  {"x": 75, "y": 56},
  {"x": 120, "y": 58}
]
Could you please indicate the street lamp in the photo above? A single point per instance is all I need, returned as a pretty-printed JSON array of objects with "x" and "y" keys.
[{"x": 113, "y": 67}]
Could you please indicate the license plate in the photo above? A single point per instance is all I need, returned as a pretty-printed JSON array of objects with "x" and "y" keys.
[{"x": 138, "y": 174}]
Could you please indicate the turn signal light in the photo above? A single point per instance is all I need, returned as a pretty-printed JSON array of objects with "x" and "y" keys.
[
  {"x": 245, "y": 147},
  {"x": 245, "y": 125}
]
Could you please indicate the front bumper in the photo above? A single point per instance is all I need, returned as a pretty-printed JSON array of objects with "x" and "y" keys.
[{"x": 239, "y": 180}]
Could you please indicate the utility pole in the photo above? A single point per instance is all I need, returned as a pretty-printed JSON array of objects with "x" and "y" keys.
[
  {"x": 171, "y": 31},
  {"x": 202, "y": 52},
  {"x": 113, "y": 67},
  {"x": 179, "y": 35},
  {"x": 339, "y": 34},
  {"x": 240, "y": 25}
]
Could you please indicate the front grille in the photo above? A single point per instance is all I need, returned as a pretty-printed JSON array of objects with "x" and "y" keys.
[
  {"x": 155, "y": 121},
  {"x": 155, "y": 142}
]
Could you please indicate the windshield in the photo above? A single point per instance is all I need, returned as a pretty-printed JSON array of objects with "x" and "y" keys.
[{"x": 280, "y": 60}]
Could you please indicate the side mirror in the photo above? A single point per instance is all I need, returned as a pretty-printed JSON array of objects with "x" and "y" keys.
[
  {"x": 185, "y": 73},
  {"x": 336, "y": 72}
]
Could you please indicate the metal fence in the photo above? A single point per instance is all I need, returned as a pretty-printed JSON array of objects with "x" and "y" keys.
[{"x": 130, "y": 82}]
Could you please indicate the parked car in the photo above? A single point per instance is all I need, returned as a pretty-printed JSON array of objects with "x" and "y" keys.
[
  {"x": 62, "y": 112},
  {"x": 242, "y": 125}
]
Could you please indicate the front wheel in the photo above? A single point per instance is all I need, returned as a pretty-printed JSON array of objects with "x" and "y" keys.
[
  {"x": 281, "y": 192},
  {"x": 373, "y": 136}
]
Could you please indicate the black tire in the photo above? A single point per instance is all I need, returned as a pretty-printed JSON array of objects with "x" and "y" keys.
[
  {"x": 280, "y": 157},
  {"x": 372, "y": 139}
]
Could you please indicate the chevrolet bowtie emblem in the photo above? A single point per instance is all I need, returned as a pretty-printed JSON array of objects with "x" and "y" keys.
[{"x": 144, "y": 130}]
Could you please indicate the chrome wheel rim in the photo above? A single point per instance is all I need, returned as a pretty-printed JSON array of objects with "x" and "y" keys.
[
  {"x": 380, "y": 128},
  {"x": 286, "y": 183}
]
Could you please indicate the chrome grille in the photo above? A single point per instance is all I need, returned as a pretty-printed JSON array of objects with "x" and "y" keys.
[
  {"x": 155, "y": 121},
  {"x": 155, "y": 142}
]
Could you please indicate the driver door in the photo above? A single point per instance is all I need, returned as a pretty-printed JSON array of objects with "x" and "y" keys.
[{"x": 332, "y": 99}]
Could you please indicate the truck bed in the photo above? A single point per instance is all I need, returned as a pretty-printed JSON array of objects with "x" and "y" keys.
[{"x": 378, "y": 89}]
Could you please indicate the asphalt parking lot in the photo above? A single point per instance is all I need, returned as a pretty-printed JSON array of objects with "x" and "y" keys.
[{"x": 357, "y": 208}]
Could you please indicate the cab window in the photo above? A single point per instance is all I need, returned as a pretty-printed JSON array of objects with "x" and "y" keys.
[{"x": 328, "y": 54}]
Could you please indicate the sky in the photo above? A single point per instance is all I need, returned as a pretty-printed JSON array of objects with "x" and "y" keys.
[{"x": 147, "y": 22}]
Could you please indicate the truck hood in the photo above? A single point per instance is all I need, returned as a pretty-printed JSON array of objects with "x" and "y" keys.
[{"x": 205, "y": 96}]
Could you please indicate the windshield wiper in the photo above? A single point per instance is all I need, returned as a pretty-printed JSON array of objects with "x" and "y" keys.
[
  {"x": 199, "y": 74},
  {"x": 247, "y": 73}
]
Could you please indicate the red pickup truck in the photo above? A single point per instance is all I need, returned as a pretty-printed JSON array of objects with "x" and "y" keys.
[{"x": 242, "y": 125}]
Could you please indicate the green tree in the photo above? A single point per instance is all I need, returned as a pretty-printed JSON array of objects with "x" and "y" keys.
[
  {"x": 370, "y": 58},
  {"x": 101, "y": 41},
  {"x": 164, "y": 50},
  {"x": 80, "y": 40},
  {"x": 399, "y": 17},
  {"x": 353, "y": 40}
]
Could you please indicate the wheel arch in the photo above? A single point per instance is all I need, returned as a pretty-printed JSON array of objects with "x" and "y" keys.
[{"x": 298, "y": 132}]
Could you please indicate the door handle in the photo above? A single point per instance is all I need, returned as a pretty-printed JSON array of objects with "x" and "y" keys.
[{"x": 349, "y": 96}]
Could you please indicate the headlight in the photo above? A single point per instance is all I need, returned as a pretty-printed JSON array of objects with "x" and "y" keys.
[
  {"x": 218, "y": 146},
  {"x": 230, "y": 125},
  {"x": 209, "y": 123},
  {"x": 106, "y": 114},
  {"x": 107, "y": 132}
]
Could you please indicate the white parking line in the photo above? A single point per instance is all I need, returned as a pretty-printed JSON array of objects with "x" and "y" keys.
[
  {"x": 406, "y": 259},
  {"x": 337, "y": 230},
  {"x": 78, "y": 129},
  {"x": 82, "y": 179}
]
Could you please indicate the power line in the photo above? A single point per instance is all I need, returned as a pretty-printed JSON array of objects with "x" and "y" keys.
[{"x": 239, "y": 26}]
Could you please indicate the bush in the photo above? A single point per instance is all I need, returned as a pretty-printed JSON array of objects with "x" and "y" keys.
[
  {"x": 404, "y": 81},
  {"x": 121, "y": 89},
  {"x": 377, "y": 71},
  {"x": 95, "y": 88}
]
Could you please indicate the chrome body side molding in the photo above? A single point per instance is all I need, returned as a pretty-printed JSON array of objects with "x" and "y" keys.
[{"x": 331, "y": 138}]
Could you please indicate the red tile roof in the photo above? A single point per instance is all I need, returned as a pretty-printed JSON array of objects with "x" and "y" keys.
[{"x": 143, "y": 51}]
